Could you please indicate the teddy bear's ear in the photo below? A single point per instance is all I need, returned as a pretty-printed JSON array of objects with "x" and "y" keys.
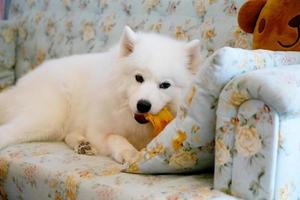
[{"x": 249, "y": 13}]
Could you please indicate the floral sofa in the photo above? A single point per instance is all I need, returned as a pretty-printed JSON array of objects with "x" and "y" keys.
[{"x": 253, "y": 95}]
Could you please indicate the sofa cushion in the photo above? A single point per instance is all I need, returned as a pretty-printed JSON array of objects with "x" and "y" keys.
[
  {"x": 50, "y": 29},
  {"x": 68, "y": 27},
  {"x": 8, "y": 38},
  {"x": 7, "y": 78},
  {"x": 187, "y": 143},
  {"x": 53, "y": 171}
]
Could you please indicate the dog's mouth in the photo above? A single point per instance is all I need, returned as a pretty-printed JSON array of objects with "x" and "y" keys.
[{"x": 140, "y": 118}]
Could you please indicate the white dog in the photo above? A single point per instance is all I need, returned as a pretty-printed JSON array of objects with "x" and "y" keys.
[{"x": 96, "y": 102}]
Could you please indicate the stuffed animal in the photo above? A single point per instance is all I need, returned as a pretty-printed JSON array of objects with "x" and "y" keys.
[
  {"x": 160, "y": 120},
  {"x": 275, "y": 24}
]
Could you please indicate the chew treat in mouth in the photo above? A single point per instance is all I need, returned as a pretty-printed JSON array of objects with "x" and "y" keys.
[{"x": 160, "y": 120}]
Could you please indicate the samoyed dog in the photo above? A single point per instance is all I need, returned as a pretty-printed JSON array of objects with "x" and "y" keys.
[{"x": 95, "y": 102}]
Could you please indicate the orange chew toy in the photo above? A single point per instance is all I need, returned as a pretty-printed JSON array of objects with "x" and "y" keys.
[{"x": 160, "y": 120}]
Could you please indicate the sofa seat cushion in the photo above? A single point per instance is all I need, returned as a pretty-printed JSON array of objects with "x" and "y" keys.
[
  {"x": 53, "y": 171},
  {"x": 7, "y": 78}
]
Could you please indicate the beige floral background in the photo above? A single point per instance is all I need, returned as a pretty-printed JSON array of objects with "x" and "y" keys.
[
  {"x": 53, "y": 171},
  {"x": 59, "y": 28}
]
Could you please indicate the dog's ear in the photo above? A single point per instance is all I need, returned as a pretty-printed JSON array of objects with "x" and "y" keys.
[
  {"x": 127, "y": 41},
  {"x": 249, "y": 13},
  {"x": 193, "y": 52}
]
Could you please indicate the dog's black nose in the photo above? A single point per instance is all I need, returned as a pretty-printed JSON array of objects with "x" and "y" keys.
[
  {"x": 295, "y": 21},
  {"x": 143, "y": 106}
]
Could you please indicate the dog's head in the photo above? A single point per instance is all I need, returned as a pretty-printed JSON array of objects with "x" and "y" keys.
[{"x": 156, "y": 71}]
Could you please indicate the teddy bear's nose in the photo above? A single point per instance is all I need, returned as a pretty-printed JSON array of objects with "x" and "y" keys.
[{"x": 295, "y": 21}]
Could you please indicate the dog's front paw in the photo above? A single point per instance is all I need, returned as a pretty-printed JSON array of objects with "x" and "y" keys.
[
  {"x": 85, "y": 147},
  {"x": 128, "y": 156}
]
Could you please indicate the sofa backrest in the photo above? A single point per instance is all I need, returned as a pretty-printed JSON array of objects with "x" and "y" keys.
[{"x": 56, "y": 28}]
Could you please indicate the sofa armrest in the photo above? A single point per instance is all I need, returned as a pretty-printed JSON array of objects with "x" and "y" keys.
[
  {"x": 227, "y": 63},
  {"x": 218, "y": 70},
  {"x": 251, "y": 112},
  {"x": 278, "y": 88}
]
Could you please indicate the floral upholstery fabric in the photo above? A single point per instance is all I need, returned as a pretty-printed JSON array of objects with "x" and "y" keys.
[
  {"x": 256, "y": 139},
  {"x": 53, "y": 171},
  {"x": 50, "y": 29},
  {"x": 287, "y": 184},
  {"x": 187, "y": 143},
  {"x": 8, "y": 36},
  {"x": 250, "y": 137}
]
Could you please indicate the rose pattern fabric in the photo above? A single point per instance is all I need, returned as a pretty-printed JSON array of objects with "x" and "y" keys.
[
  {"x": 49, "y": 29},
  {"x": 53, "y": 171},
  {"x": 247, "y": 142},
  {"x": 256, "y": 129},
  {"x": 8, "y": 35},
  {"x": 193, "y": 130}
]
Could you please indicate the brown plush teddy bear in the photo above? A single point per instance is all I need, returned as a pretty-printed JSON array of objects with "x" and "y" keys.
[{"x": 275, "y": 24}]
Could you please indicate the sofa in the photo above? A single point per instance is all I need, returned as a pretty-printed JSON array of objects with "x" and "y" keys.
[{"x": 253, "y": 102}]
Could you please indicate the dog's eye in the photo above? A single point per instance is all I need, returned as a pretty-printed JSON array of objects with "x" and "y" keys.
[
  {"x": 164, "y": 85},
  {"x": 139, "y": 78}
]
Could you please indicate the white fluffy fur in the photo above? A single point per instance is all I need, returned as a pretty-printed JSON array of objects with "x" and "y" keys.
[{"x": 93, "y": 97}]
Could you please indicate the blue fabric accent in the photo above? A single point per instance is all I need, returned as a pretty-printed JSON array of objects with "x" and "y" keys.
[{"x": 6, "y": 10}]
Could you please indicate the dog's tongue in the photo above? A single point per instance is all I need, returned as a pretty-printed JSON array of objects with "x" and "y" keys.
[{"x": 140, "y": 118}]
